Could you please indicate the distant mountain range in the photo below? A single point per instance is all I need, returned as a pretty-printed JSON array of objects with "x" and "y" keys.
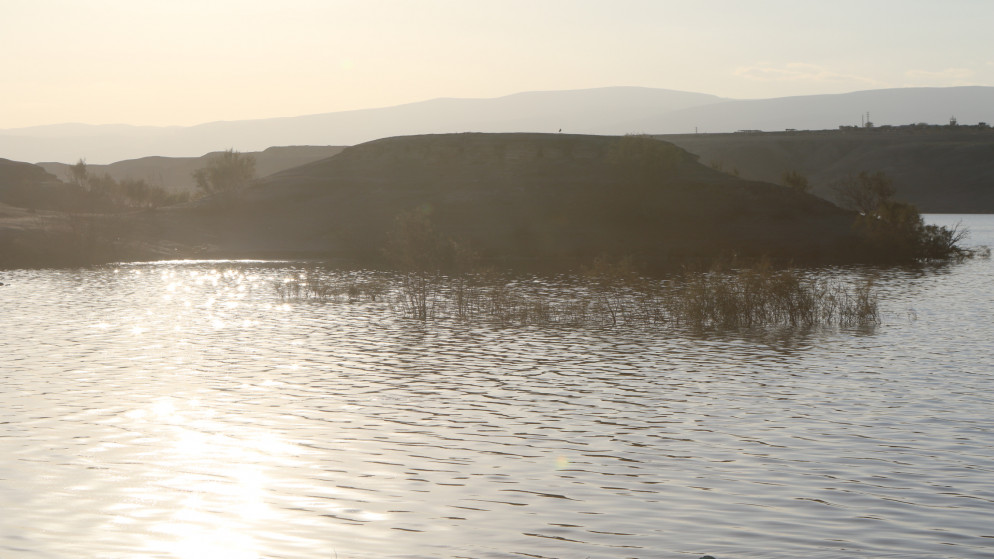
[{"x": 607, "y": 111}]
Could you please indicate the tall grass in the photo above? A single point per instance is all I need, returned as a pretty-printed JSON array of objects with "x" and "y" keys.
[
  {"x": 613, "y": 295},
  {"x": 761, "y": 296},
  {"x": 606, "y": 294}
]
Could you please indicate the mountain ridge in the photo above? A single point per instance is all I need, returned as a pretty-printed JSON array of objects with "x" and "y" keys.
[{"x": 600, "y": 111}]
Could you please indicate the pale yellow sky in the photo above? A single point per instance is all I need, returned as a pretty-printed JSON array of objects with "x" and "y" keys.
[{"x": 183, "y": 62}]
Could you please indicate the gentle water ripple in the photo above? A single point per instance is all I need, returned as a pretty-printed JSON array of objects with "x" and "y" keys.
[{"x": 182, "y": 410}]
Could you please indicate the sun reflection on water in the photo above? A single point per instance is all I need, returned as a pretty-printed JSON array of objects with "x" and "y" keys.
[{"x": 211, "y": 477}]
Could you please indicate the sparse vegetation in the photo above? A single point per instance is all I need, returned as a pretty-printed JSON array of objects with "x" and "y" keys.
[
  {"x": 606, "y": 294},
  {"x": 85, "y": 191},
  {"x": 312, "y": 287},
  {"x": 610, "y": 295},
  {"x": 416, "y": 249},
  {"x": 111, "y": 194},
  {"x": 760, "y": 296},
  {"x": 795, "y": 180},
  {"x": 422, "y": 255}
]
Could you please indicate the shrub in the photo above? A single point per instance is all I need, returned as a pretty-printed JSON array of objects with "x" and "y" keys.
[
  {"x": 894, "y": 231},
  {"x": 226, "y": 172}
]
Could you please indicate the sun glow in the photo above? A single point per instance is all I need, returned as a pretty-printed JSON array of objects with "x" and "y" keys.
[{"x": 211, "y": 477}]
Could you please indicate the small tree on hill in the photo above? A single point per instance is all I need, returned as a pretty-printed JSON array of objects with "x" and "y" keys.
[
  {"x": 226, "y": 172},
  {"x": 79, "y": 175}
]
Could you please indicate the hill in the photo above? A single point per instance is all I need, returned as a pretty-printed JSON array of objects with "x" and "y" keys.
[
  {"x": 612, "y": 110},
  {"x": 13, "y": 173},
  {"x": 553, "y": 199},
  {"x": 175, "y": 174},
  {"x": 940, "y": 169},
  {"x": 21, "y": 183}
]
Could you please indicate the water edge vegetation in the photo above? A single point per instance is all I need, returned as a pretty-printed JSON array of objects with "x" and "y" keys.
[{"x": 608, "y": 294}]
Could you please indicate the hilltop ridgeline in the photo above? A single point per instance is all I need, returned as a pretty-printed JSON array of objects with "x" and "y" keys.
[
  {"x": 939, "y": 169},
  {"x": 547, "y": 199}
]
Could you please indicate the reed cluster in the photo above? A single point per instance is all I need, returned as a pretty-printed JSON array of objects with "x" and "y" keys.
[
  {"x": 306, "y": 287},
  {"x": 716, "y": 298},
  {"x": 760, "y": 296}
]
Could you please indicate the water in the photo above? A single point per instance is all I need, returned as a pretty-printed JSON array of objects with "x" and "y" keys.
[{"x": 182, "y": 410}]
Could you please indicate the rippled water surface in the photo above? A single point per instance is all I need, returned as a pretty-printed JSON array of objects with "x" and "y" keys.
[{"x": 183, "y": 410}]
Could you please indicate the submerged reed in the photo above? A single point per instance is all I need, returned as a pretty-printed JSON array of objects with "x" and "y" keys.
[
  {"x": 610, "y": 294},
  {"x": 717, "y": 298},
  {"x": 317, "y": 288},
  {"x": 760, "y": 296}
]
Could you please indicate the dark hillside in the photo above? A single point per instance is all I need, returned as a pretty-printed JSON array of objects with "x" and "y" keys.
[
  {"x": 541, "y": 197},
  {"x": 939, "y": 169},
  {"x": 27, "y": 186},
  {"x": 15, "y": 171}
]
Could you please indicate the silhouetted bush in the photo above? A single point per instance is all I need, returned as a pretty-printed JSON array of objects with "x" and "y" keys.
[
  {"x": 226, "y": 173},
  {"x": 895, "y": 231}
]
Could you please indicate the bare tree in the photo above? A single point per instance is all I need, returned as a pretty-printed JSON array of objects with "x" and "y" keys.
[{"x": 865, "y": 192}]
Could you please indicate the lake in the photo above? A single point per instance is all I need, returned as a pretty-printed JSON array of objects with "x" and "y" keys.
[{"x": 182, "y": 409}]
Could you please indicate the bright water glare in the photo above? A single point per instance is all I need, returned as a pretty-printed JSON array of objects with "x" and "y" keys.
[{"x": 182, "y": 410}]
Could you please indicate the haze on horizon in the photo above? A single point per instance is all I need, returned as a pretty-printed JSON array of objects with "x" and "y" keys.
[{"x": 187, "y": 62}]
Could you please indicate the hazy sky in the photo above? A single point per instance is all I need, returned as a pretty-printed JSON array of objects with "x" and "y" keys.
[{"x": 182, "y": 62}]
